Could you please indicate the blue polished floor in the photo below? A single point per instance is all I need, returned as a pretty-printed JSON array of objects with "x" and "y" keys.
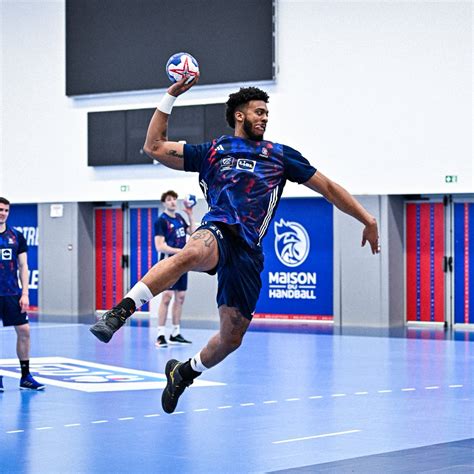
[{"x": 288, "y": 400}]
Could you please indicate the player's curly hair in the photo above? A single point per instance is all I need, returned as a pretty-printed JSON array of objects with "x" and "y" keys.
[
  {"x": 237, "y": 99},
  {"x": 169, "y": 193}
]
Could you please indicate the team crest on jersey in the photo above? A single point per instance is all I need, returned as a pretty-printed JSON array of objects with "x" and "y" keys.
[
  {"x": 10, "y": 241},
  {"x": 246, "y": 165},
  {"x": 227, "y": 163},
  {"x": 291, "y": 243},
  {"x": 264, "y": 153}
]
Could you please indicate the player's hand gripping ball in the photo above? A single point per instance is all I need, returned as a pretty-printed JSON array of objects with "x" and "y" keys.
[
  {"x": 190, "y": 201},
  {"x": 182, "y": 65}
]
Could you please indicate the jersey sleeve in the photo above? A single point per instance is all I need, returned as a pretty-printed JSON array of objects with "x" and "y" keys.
[
  {"x": 194, "y": 155},
  {"x": 160, "y": 227},
  {"x": 297, "y": 168},
  {"x": 22, "y": 245}
]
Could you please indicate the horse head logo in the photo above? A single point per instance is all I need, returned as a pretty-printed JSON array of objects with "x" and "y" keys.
[{"x": 291, "y": 243}]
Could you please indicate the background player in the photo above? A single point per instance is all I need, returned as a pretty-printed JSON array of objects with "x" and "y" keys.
[
  {"x": 242, "y": 178},
  {"x": 170, "y": 237},
  {"x": 14, "y": 301}
]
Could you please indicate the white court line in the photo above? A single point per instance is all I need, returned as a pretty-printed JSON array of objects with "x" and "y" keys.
[
  {"x": 70, "y": 425},
  {"x": 177, "y": 413},
  {"x": 455, "y": 386},
  {"x": 224, "y": 407},
  {"x": 384, "y": 391},
  {"x": 99, "y": 421},
  {"x": 201, "y": 409},
  {"x": 247, "y": 404},
  {"x": 15, "y": 431},
  {"x": 314, "y": 397},
  {"x": 44, "y": 428},
  {"x": 338, "y": 395},
  {"x": 125, "y": 418},
  {"x": 270, "y": 401},
  {"x": 339, "y": 433},
  {"x": 434, "y": 387},
  {"x": 411, "y": 389},
  {"x": 291, "y": 399},
  {"x": 151, "y": 416},
  {"x": 361, "y": 393}
]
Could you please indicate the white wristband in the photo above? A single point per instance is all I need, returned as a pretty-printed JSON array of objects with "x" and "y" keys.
[{"x": 166, "y": 104}]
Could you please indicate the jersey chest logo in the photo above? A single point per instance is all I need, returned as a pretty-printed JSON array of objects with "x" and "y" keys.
[
  {"x": 246, "y": 165},
  {"x": 6, "y": 254}
]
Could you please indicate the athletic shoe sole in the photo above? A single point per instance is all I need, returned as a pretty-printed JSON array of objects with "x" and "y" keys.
[
  {"x": 176, "y": 343},
  {"x": 161, "y": 345},
  {"x": 170, "y": 365},
  {"x": 101, "y": 331},
  {"x": 33, "y": 389}
]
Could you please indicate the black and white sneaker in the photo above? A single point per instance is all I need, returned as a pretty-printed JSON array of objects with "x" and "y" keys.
[
  {"x": 175, "y": 386},
  {"x": 178, "y": 339},
  {"x": 109, "y": 323},
  {"x": 161, "y": 342}
]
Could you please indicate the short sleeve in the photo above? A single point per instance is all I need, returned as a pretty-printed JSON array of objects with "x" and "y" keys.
[
  {"x": 194, "y": 155},
  {"x": 160, "y": 227},
  {"x": 22, "y": 246},
  {"x": 297, "y": 168}
]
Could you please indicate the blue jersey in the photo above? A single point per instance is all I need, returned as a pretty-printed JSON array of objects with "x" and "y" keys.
[
  {"x": 173, "y": 229},
  {"x": 242, "y": 181},
  {"x": 12, "y": 244}
]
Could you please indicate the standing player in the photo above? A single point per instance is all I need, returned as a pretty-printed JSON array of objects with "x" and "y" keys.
[
  {"x": 242, "y": 177},
  {"x": 170, "y": 237},
  {"x": 14, "y": 301}
]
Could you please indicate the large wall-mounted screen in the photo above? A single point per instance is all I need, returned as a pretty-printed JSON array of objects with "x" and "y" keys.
[{"x": 123, "y": 45}]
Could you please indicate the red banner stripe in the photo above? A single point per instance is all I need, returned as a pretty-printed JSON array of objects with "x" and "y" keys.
[
  {"x": 438, "y": 263},
  {"x": 411, "y": 262}
]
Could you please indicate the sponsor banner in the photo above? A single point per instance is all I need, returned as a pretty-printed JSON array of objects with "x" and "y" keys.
[
  {"x": 24, "y": 217},
  {"x": 108, "y": 257},
  {"x": 87, "y": 376},
  {"x": 463, "y": 263},
  {"x": 297, "y": 281},
  {"x": 424, "y": 262},
  {"x": 143, "y": 254}
]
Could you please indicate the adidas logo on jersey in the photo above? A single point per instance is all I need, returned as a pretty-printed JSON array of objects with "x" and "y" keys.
[{"x": 219, "y": 148}]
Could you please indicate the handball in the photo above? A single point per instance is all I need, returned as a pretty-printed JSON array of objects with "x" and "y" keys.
[
  {"x": 181, "y": 65},
  {"x": 190, "y": 200}
]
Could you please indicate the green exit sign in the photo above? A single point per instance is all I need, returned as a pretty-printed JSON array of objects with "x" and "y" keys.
[
  {"x": 124, "y": 188},
  {"x": 451, "y": 178}
]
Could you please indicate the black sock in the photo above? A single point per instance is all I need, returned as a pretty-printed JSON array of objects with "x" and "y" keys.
[
  {"x": 129, "y": 305},
  {"x": 187, "y": 372},
  {"x": 25, "y": 368}
]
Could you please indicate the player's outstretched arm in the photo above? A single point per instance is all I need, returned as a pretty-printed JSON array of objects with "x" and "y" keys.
[
  {"x": 157, "y": 145},
  {"x": 348, "y": 204}
]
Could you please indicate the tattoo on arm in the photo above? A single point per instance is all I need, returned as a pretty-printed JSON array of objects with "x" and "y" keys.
[
  {"x": 174, "y": 153},
  {"x": 205, "y": 236}
]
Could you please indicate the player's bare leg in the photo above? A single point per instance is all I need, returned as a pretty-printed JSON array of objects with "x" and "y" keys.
[
  {"x": 180, "y": 375},
  {"x": 199, "y": 254}
]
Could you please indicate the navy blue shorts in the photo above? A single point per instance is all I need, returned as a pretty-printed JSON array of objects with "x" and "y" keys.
[
  {"x": 181, "y": 284},
  {"x": 10, "y": 311},
  {"x": 238, "y": 270}
]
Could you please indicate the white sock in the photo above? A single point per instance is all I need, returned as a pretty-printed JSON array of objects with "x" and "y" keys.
[
  {"x": 196, "y": 363},
  {"x": 140, "y": 294},
  {"x": 176, "y": 330},
  {"x": 161, "y": 331}
]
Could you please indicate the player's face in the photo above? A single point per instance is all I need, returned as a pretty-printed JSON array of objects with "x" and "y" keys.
[
  {"x": 255, "y": 119},
  {"x": 171, "y": 204},
  {"x": 4, "y": 210}
]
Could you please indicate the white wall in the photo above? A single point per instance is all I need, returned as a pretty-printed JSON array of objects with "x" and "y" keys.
[{"x": 376, "y": 94}]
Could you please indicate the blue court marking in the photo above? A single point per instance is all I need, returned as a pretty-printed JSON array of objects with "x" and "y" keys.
[{"x": 291, "y": 400}]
